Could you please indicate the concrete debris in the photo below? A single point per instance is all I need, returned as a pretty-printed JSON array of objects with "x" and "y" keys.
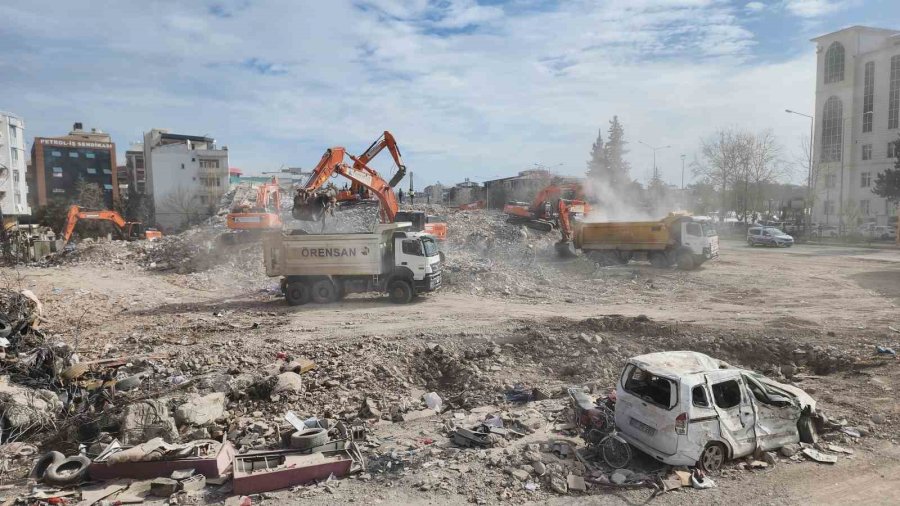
[{"x": 201, "y": 410}]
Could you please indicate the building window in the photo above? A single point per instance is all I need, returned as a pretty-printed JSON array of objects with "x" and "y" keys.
[
  {"x": 15, "y": 177},
  {"x": 892, "y": 149},
  {"x": 18, "y": 196},
  {"x": 57, "y": 172},
  {"x": 107, "y": 187},
  {"x": 864, "y": 207},
  {"x": 107, "y": 171},
  {"x": 894, "y": 94},
  {"x": 59, "y": 190},
  {"x": 868, "y": 97},
  {"x": 14, "y": 153},
  {"x": 55, "y": 153},
  {"x": 206, "y": 163},
  {"x": 91, "y": 170},
  {"x": 830, "y": 181},
  {"x": 832, "y": 130},
  {"x": 12, "y": 134},
  {"x": 89, "y": 154},
  {"x": 834, "y": 63},
  {"x": 73, "y": 154},
  {"x": 867, "y": 152},
  {"x": 865, "y": 179},
  {"x": 829, "y": 207}
]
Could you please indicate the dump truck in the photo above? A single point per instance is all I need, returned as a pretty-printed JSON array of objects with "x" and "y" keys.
[
  {"x": 325, "y": 267},
  {"x": 678, "y": 239}
]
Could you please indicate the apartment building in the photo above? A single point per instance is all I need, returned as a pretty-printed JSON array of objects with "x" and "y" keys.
[{"x": 13, "y": 169}]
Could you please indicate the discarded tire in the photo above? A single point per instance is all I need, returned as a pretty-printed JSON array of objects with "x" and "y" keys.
[
  {"x": 70, "y": 471},
  {"x": 45, "y": 461},
  {"x": 309, "y": 438},
  {"x": 5, "y": 328}
]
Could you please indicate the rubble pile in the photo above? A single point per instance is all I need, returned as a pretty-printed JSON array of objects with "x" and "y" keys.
[{"x": 350, "y": 219}]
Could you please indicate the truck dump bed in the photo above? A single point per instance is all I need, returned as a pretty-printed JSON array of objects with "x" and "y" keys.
[
  {"x": 624, "y": 235},
  {"x": 327, "y": 254}
]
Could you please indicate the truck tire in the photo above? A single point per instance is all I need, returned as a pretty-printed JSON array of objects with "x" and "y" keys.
[
  {"x": 323, "y": 291},
  {"x": 624, "y": 256},
  {"x": 46, "y": 461},
  {"x": 659, "y": 260},
  {"x": 685, "y": 260},
  {"x": 400, "y": 291},
  {"x": 296, "y": 293},
  {"x": 71, "y": 471}
]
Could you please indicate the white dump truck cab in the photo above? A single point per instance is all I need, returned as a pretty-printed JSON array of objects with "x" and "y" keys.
[
  {"x": 699, "y": 236},
  {"x": 417, "y": 259}
]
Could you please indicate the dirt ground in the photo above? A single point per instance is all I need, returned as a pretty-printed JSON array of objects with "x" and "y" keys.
[{"x": 483, "y": 333}]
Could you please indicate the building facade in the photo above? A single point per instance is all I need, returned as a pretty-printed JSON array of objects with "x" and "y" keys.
[
  {"x": 186, "y": 176},
  {"x": 61, "y": 164},
  {"x": 135, "y": 170},
  {"x": 13, "y": 169},
  {"x": 857, "y": 120}
]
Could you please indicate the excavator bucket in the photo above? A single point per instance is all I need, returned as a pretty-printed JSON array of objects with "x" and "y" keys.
[
  {"x": 565, "y": 249},
  {"x": 312, "y": 208}
]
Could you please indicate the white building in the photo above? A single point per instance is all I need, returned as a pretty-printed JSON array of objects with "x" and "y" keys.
[
  {"x": 857, "y": 118},
  {"x": 186, "y": 177},
  {"x": 13, "y": 188}
]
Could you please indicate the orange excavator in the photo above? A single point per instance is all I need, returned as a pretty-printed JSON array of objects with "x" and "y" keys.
[
  {"x": 542, "y": 213},
  {"x": 311, "y": 204},
  {"x": 264, "y": 214},
  {"x": 128, "y": 230}
]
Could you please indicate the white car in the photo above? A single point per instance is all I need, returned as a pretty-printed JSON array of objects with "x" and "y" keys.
[{"x": 685, "y": 408}]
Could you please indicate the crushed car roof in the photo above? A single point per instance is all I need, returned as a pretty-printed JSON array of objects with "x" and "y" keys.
[{"x": 678, "y": 362}]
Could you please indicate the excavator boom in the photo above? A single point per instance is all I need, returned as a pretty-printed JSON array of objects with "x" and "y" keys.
[
  {"x": 264, "y": 214},
  {"x": 127, "y": 229}
]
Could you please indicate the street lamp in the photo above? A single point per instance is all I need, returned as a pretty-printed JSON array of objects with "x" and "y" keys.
[
  {"x": 655, "y": 149},
  {"x": 682, "y": 172},
  {"x": 812, "y": 134}
]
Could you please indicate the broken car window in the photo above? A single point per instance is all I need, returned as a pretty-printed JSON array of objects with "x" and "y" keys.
[
  {"x": 698, "y": 395},
  {"x": 649, "y": 387},
  {"x": 727, "y": 394}
]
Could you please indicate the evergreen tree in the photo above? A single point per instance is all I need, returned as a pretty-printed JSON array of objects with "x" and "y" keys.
[
  {"x": 597, "y": 165},
  {"x": 617, "y": 167},
  {"x": 887, "y": 183}
]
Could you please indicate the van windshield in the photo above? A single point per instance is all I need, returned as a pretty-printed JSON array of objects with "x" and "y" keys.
[{"x": 650, "y": 387}]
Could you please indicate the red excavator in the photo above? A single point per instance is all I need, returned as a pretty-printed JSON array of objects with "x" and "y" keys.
[
  {"x": 263, "y": 214},
  {"x": 311, "y": 204},
  {"x": 542, "y": 213},
  {"x": 128, "y": 230}
]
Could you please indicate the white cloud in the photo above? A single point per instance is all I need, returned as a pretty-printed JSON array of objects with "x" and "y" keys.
[
  {"x": 509, "y": 87},
  {"x": 814, "y": 8},
  {"x": 755, "y": 7}
]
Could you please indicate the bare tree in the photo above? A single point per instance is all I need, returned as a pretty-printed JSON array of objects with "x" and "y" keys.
[
  {"x": 183, "y": 204},
  {"x": 720, "y": 162}
]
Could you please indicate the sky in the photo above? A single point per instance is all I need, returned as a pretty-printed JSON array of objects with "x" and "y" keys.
[{"x": 473, "y": 89}]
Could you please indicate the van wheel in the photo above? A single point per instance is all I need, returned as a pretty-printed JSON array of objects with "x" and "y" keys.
[
  {"x": 296, "y": 293},
  {"x": 685, "y": 261},
  {"x": 400, "y": 291},
  {"x": 712, "y": 458},
  {"x": 807, "y": 430},
  {"x": 324, "y": 291}
]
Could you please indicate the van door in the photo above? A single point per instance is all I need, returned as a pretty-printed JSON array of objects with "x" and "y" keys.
[
  {"x": 737, "y": 420},
  {"x": 693, "y": 237},
  {"x": 646, "y": 408}
]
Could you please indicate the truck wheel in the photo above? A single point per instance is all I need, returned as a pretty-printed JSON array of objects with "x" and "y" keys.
[
  {"x": 659, "y": 260},
  {"x": 400, "y": 291},
  {"x": 685, "y": 261},
  {"x": 296, "y": 293},
  {"x": 324, "y": 291},
  {"x": 623, "y": 257}
]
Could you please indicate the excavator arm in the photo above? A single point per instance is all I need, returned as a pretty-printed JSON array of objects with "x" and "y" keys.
[
  {"x": 565, "y": 209},
  {"x": 309, "y": 205},
  {"x": 76, "y": 213},
  {"x": 386, "y": 140}
]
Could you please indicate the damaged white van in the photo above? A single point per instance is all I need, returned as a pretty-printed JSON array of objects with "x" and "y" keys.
[{"x": 687, "y": 408}]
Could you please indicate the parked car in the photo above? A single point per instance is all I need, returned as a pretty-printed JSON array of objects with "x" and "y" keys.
[
  {"x": 884, "y": 233},
  {"x": 685, "y": 408},
  {"x": 768, "y": 236},
  {"x": 825, "y": 231}
]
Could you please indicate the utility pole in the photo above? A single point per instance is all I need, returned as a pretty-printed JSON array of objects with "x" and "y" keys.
[
  {"x": 682, "y": 172},
  {"x": 809, "y": 188},
  {"x": 655, "y": 149},
  {"x": 412, "y": 193}
]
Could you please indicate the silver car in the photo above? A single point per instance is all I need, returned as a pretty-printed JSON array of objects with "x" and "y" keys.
[{"x": 685, "y": 408}]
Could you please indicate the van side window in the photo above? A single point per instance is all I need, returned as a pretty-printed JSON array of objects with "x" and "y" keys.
[
  {"x": 411, "y": 247},
  {"x": 649, "y": 387},
  {"x": 698, "y": 394},
  {"x": 727, "y": 394}
]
